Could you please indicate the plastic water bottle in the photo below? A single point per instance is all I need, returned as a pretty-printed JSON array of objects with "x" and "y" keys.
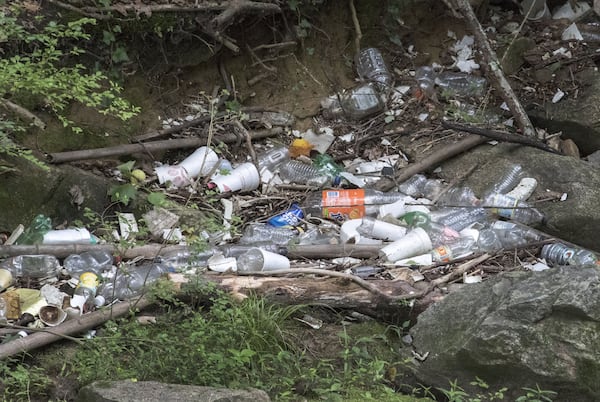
[
  {"x": 460, "y": 218},
  {"x": 32, "y": 266},
  {"x": 272, "y": 158},
  {"x": 561, "y": 254},
  {"x": 95, "y": 261},
  {"x": 459, "y": 196},
  {"x": 260, "y": 232},
  {"x": 85, "y": 292},
  {"x": 510, "y": 208},
  {"x": 508, "y": 180},
  {"x": 342, "y": 204},
  {"x": 461, "y": 84},
  {"x": 488, "y": 241},
  {"x": 34, "y": 234},
  {"x": 460, "y": 248},
  {"x": 361, "y": 101},
  {"x": 414, "y": 186},
  {"x": 370, "y": 66},
  {"x": 295, "y": 171},
  {"x": 425, "y": 77}
]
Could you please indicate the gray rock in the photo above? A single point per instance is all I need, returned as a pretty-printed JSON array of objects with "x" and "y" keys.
[
  {"x": 575, "y": 220},
  {"x": 517, "y": 330},
  {"x": 148, "y": 391}
]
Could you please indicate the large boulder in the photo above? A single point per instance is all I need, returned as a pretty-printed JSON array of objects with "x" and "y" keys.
[
  {"x": 576, "y": 219},
  {"x": 517, "y": 330},
  {"x": 149, "y": 391}
]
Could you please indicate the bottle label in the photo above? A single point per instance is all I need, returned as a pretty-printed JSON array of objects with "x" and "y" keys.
[
  {"x": 340, "y": 205},
  {"x": 88, "y": 280},
  {"x": 443, "y": 254},
  {"x": 507, "y": 212},
  {"x": 288, "y": 219}
]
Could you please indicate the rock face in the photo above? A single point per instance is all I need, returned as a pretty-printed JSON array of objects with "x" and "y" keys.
[
  {"x": 149, "y": 391},
  {"x": 56, "y": 193},
  {"x": 517, "y": 330},
  {"x": 574, "y": 219}
]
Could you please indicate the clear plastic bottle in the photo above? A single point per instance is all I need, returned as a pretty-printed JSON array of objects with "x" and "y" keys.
[
  {"x": 461, "y": 84},
  {"x": 459, "y": 196},
  {"x": 561, "y": 254},
  {"x": 32, "y": 266},
  {"x": 440, "y": 234},
  {"x": 260, "y": 232},
  {"x": 95, "y": 261},
  {"x": 295, "y": 171},
  {"x": 517, "y": 230},
  {"x": 327, "y": 166},
  {"x": 34, "y": 234},
  {"x": 508, "y": 180},
  {"x": 361, "y": 101},
  {"x": 270, "y": 159},
  {"x": 414, "y": 186},
  {"x": 488, "y": 241},
  {"x": 460, "y": 218},
  {"x": 425, "y": 77},
  {"x": 342, "y": 204},
  {"x": 510, "y": 208},
  {"x": 371, "y": 66},
  {"x": 462, "y": 247}
]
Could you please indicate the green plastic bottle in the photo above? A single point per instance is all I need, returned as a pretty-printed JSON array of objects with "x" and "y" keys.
[{"x": 34, "y": 234}]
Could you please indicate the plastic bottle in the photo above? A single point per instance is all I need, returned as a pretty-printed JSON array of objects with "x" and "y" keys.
[
  {"x": 425, "y": 77},
  {"x": 361, "y": 101},
  {"x": 342, "y": 204},
  {"x": 440, "y": 234},
  {"x": 460, "y": 248},
  {"x": 414, "y": 186},
  {"x": 460, "y": 218},
  {"x": 561, "y": 254},
  {"x": 461, "y": 84},
  {"x": 327, "y": 166},
  {"x": 295, "y": 171},
  {"x": 459, "y": 196},
  {"x": 272, "y": 158},
  {"x": 371, "y": 66},
  {"x": 510, "y": 208},
  {"x": 95, "y": 261},
  {"x": 508, "y": 180},
  {"x": 260, "y": 232},
  {"x": 488, "y": 241},
  {"x": 524, "y": 189},
  {"x": 32, "y": 266},
  {"x": 34, "y": 234},
  {"x": 85, "y": 292}
]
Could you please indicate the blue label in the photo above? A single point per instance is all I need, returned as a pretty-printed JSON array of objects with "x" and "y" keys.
[{"x": 292, "y": 217}]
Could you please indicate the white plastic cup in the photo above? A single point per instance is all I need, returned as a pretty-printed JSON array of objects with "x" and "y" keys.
[
  {"x": 415, "y": 242},
  {"x": 175, "y": 174},
  {"x": 201, "y": 162},
  {"x": 245, "y": 177},
  {"x": 220, "y": 263},
  {"x": 382, "y": 230},
  {"x": 256, "y": 260},
  {"x": 539, "y": 9},
  {"x": 350, "y": 235}
]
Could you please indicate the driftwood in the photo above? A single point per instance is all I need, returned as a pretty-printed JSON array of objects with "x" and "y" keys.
[
  {"x": 99, "y": 153},
  {"x": 71, "y": 327},
  {"x": 501, "y": 136},
  {"x": 495, "y": 73},
  {"x": 386, "y": 184}
]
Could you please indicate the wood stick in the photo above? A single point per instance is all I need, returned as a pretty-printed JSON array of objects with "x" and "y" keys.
[
  {"x": 357, "y": 29},
  {"x": 386, "y": 184},
  {"x": 495, "y": 73},
  {"x": 99, "y": 153},
  {"x": 21, "y": 111},
  {"x": 71, "y": 327},
  {"x": 502, "y": 136}
]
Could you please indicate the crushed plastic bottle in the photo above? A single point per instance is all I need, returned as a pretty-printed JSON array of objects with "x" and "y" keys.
[
  {"x": 342, "y": 204},
  {"x": 260, "y": 232},
  {"x": 459, "y": 196},
  {"x": 460, "y": 218},
  {"x": 294, "y": 171},
  {"x": 361, "y": 101},
  {"x": 371, "y": 66},
  {"x": 425, "y": 77},
  {"x": 272, "y": 158},
  {"x": 509, "y": 180},
  {"x": 461, "y": 84},
  {"x": 462, "y": 247},
  {"x": 32, "y": 266},
  {"x": 510, "y": 208},
  {"x": 95, "y": 261}
]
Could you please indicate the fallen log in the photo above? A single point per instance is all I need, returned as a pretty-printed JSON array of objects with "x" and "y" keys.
[
  {"x": 126, "y": 149},
  {"x": 71, "y": 327}
]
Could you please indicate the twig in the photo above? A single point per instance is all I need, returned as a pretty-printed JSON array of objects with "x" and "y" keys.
[
  {"x": 502, "y": 136},
  {"x": 259, "y": 61},
  {"x": 275, "y": 45},
  {"x": 48, "y": 330},
  {"x": 249, "y": 145},
  {"x": 495, "y": 73},
  {"x": 21, "y": 111},
  {"x": 78, "y": 10},
  {"x": 357, "y": 29}
]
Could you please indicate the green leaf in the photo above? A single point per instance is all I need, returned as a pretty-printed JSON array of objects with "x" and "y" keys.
[
  {"x": 123, "y": 193},
  {"x": 157, "y": 199},
  {"x": 120, "y": 55},
  {"x": 126, "y": 167}
]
